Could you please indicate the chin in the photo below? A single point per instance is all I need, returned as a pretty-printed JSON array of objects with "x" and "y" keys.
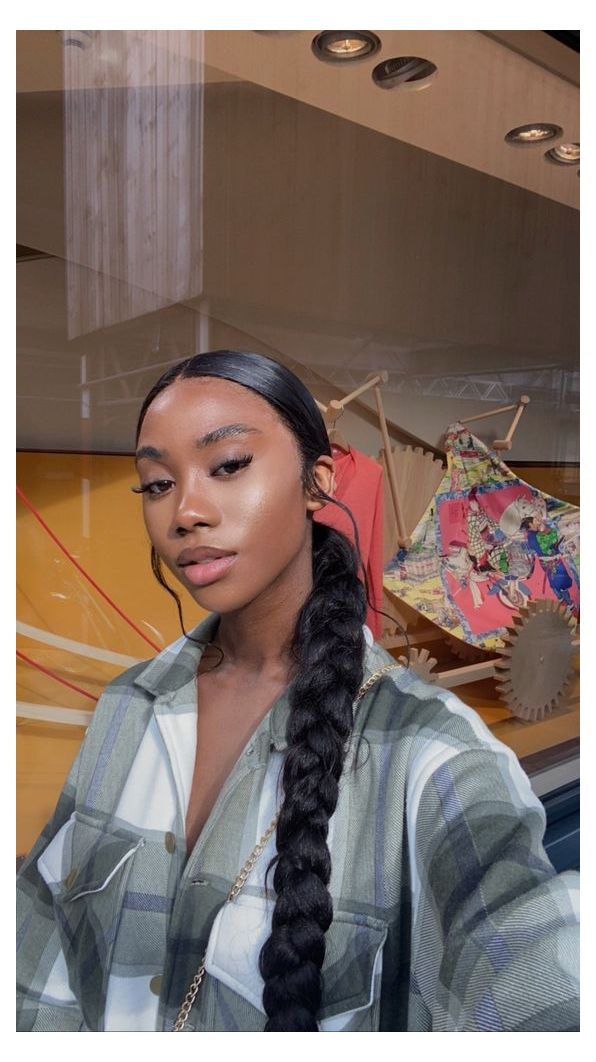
[{"x": 214, "y": 598}]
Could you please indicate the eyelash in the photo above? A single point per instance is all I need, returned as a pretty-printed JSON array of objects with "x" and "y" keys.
[{"x": 236, "y": 463}]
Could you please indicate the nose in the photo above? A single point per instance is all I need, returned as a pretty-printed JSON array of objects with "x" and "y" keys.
[{"x": 194, "y": 508}]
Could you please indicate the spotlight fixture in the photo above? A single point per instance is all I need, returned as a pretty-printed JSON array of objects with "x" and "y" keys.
[
  {"x": 405, "y": 72},
  {"x": 564, "y": 154},
  {"x": 533, "y": 133},
  {"x": 342, "y": 46}
]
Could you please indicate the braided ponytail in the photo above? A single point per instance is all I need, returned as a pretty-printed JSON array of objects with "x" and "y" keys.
[{"x": 329, "y": 644}]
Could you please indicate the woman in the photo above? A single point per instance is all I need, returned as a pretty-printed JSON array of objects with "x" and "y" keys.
[{"x": 408, "y": 885}]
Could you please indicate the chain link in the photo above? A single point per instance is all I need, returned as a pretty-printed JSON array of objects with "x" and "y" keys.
[
  {"x": 373, "y": 678},
  {"x": 240, "y": 881},
  {"x": 190, "y": 997},
  {"x": 252, "y": 859}
]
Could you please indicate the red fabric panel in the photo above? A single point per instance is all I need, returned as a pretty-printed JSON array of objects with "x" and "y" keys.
[{"x": 359, "y": 485}]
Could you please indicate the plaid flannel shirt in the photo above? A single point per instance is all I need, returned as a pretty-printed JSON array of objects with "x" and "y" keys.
[{"x": 448, "y": 914}]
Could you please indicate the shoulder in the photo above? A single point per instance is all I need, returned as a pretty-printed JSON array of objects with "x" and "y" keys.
[
  {"x": 130, "y": 695},
  {"x": 121, "y": 688},
  {"x": 170, "y": 668},
  {"x": 427, "y": 732},
  {"x": 126, "y": 679},
  {"x": 120, "y": 723},
  {"x": 403, "y": 705}
]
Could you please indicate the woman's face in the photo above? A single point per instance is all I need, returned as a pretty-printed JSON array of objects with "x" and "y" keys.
[{"x": 225, "y": 510}]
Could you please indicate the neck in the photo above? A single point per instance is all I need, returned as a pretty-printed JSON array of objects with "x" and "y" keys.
[{"x": 257, "y": 639}]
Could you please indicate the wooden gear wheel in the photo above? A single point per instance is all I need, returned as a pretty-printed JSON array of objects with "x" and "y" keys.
[
  {"x": 421, "y": 663},
  {"x": 536, "y": 664}
]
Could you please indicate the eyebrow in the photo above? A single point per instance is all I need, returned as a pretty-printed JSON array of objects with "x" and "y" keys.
[
  {"x": 214, "y": 436},
  {"x": 224, "y": 432}
]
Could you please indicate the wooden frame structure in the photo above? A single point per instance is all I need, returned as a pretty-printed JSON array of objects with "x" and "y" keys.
[
  {"x": 503, "y": 444},
  {"x": 412, "y": 474}
]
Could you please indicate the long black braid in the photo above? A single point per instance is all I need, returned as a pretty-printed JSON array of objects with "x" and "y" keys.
[
  {"x": 329, "y": 643},
  {"x": 328, "y": 647}
]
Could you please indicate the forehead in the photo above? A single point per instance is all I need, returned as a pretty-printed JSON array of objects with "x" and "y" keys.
[{"x": 207, "y": 402}]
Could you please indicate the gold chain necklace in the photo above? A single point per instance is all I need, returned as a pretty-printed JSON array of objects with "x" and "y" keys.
[{"x": 195, "y": 984}]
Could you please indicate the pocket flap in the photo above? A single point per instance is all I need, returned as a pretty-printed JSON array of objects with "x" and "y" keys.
[
  {"x": 88, "y": 863},
  {"x": 83, "y": 858},
  {"x": 353, "y": 950},
  {"x": 352, "y": 959}
]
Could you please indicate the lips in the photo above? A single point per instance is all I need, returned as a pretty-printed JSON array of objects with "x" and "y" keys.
[
  {"x": 201, "y": 555},
  {"x": 205, "y": 565}
]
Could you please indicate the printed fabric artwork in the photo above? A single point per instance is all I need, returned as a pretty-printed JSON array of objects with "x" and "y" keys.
[{"x": 487, "y": 544}]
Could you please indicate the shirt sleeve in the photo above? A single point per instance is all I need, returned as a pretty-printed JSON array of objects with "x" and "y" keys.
[
  {"x": 495, "y": 929},
  {"x": 45, "y": 1002}
]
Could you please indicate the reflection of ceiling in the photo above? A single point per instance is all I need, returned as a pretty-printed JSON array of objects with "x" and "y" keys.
[
  {"x": 483, "y": 88},
  {"x": 341, "y": 234}
]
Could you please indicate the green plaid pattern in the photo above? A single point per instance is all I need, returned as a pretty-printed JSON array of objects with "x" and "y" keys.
[{"x": 447, "y": 912}]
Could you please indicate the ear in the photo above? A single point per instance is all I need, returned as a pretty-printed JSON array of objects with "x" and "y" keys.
[{"x": 324, "y": 473}]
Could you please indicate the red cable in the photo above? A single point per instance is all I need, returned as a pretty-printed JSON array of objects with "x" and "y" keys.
[
  {"x": 55, "y": 539},
  {"x": 53, "y": 675}
]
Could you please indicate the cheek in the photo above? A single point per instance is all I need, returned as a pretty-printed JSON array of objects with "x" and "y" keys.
[
  {"x": 272, "y": 509},
  {"x": 154, "y": 516}
]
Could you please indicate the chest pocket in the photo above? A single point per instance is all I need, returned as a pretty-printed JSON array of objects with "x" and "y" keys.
[
  {"x": 86, "y": 868},
  {"x": 351, "y": 970}
]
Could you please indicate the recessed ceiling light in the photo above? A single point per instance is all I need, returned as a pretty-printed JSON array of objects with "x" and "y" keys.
[
  {"x": 534, "y": 133},
  {"x": 564, "y": 154},
  {"x": 340, "y": 46},
  {"x": 405, "y": 71}
]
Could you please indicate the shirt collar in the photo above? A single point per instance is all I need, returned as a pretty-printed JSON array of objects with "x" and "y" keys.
[{"x": 176, "y": 666}]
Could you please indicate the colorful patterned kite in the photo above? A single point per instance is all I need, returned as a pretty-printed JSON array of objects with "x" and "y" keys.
[{"x": 487, "y": 544}]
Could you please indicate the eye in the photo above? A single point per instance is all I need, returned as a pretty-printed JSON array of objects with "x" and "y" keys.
[
  {"x": 155, "y": 488},
  {"x": 228, "y": 468}
]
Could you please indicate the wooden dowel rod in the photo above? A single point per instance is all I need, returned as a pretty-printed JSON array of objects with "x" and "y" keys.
[
  {"x": 321, "y": 406},
  {"x": 522, "y": 405},
  {"x": 400, "y": 434},
  {"x": 481, "y": 416},
  {"x": 401, "y": 530},
  {"x": 380, "y": 377},
  {"x": 456, "y": 676},
  {"x": 519, "y": 407},
  {"x": 334, "y": 411}
]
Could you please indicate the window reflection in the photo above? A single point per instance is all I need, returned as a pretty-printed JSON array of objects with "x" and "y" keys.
[{"x": 133, "y": 153}]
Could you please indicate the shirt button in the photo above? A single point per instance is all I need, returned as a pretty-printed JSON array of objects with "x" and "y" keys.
[
  {"x": 170, "y": 842},
  {"x": 71, "y": 878},
  {"x": 250, "y": 750},
  {"x": 155, "y": 985}
]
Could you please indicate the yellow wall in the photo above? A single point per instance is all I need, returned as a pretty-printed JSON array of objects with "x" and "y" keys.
[{"x": 86, "y": 501}]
